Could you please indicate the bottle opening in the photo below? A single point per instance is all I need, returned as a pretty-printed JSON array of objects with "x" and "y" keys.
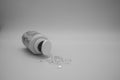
[{"x": 40, "y": 46}]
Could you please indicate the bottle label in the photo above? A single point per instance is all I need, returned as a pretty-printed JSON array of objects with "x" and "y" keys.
[{"x": 27, "y": 37}]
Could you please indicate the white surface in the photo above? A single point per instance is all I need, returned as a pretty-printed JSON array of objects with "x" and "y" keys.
[{"x": 94, "y": 56}]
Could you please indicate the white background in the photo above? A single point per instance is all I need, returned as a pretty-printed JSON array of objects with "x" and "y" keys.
[{"x": 87, "y": 31}]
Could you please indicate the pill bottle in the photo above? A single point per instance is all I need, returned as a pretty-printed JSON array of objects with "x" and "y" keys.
[{"x": 37, "y": 43}]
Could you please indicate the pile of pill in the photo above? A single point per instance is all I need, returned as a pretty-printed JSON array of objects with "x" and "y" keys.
[{"x": 57, "y": 60}]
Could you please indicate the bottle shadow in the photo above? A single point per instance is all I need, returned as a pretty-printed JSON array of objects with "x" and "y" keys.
[{"x": 30, "y": 54}]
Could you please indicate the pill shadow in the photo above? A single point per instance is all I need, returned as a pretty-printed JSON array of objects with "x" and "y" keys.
[{"x": 27, "y": 52}]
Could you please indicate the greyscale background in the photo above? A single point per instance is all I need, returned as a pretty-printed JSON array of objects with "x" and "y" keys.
[{"x": 87, "y": 31}]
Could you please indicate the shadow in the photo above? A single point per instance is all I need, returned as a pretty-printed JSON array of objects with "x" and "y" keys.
[{"x": 30, "y": 54}]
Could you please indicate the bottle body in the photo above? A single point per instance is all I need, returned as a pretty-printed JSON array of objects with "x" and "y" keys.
[{"x": 37, "y": 43}]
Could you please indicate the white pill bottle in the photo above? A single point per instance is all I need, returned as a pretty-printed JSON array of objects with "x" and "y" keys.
[{"x": 37, "y": 43}]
